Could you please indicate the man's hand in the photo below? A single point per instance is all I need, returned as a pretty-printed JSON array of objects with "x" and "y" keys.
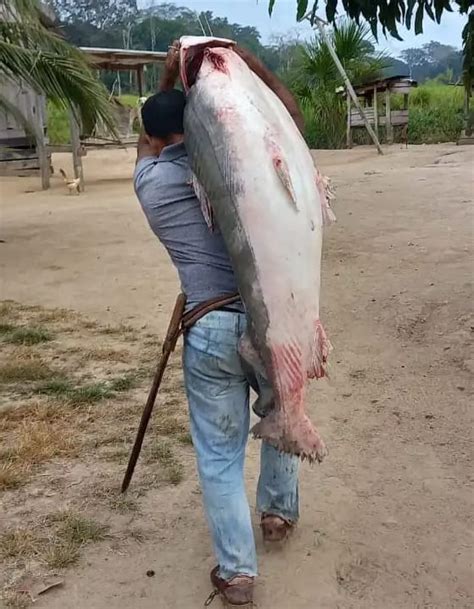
[
  {"x": 273, "y": 83},
  {"x": 171, "y": 71}
]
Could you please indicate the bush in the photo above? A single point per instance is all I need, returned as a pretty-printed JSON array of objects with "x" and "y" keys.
[{"x": 436, "y": 114}]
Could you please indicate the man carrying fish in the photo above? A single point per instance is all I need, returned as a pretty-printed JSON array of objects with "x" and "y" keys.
[{"x": 218, "y": 368}]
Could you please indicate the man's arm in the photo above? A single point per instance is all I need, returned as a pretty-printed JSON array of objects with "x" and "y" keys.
[
  {"x": 171, "y": 68},
  {"x": 273, "y": 83}
]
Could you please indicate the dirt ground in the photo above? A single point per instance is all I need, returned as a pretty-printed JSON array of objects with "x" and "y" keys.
[{"x": 386, "y": 520}]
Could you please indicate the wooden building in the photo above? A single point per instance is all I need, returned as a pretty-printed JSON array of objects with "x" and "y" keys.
[
  {"x": 375, "y": 99},
  {"x": 23, "y": 151}
]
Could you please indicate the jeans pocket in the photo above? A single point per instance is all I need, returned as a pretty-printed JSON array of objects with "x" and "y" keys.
[{"x": 198, "y": 338}]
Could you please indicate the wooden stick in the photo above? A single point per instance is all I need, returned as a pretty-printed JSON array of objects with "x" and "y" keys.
[{"x": 169, "y": 345}]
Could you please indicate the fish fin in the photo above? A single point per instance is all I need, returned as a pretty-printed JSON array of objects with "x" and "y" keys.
[
  {"x": 298, "y": 438},
  {"x": 281, "y": 167},
  {"x": 254, "y": 370},
  {"x": 206, "y": 208},
  {"x": 283, "y": 173},
  {"x": 250, "y": 355},
  {"x": 319, "y": 353},
  {"x": 326, "y": 195}
]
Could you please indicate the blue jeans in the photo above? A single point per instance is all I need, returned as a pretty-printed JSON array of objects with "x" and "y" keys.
[{"x": 217, "y": 386}]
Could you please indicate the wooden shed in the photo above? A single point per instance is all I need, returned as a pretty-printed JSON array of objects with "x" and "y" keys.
[
  {"x": 19, "y": 154},
  {"x": 18, "y": 151},
  {"x": 379, "y": 114}
]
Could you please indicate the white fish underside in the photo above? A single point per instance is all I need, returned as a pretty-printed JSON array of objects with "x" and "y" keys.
[{"x": 280, "y": 204}]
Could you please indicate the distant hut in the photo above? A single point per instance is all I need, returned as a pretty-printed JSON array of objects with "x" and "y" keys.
[{"x": 380, "y": 114}]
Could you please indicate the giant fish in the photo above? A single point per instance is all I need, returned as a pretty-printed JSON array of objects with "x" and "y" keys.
[{"x": 255, "y": 175}]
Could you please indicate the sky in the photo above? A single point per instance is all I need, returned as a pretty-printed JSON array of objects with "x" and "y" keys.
[{"x": 283, "y": 20}]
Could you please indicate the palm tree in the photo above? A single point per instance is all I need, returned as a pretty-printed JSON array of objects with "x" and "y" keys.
[
  {"x": 41, "y": 58},
  {"x": 316, "y": 79}
]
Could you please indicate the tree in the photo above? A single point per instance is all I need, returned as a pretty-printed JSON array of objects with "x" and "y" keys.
[
  {"x": 389, "y": 15},
  {"x": 317, "y": 80},
  {"x": 31, "y": 52},
  {"x": 99, "y": 13},
  {"x": 432, "y": 60},
  {"x": 414, "y": 58},
  {"x": 392, "y": 14}
]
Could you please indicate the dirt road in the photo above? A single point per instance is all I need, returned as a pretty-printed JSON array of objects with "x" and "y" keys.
[{"x": 386, "y": 520}]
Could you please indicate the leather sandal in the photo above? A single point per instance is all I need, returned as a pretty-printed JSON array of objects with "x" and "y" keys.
[
  {"x": 236, "y": 591},
  {"x": 275, "y": 528}
]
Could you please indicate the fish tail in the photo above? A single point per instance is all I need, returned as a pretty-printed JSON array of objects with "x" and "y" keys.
[{"x": 296, "y": 437}]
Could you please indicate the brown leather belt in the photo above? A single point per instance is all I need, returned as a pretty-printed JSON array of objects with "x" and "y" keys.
[{"x": 215, "y": 304}]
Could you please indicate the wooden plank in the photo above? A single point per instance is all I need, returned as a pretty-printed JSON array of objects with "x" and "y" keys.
[
  {"x": 140, "y": 81},
  {"x": 401, "y": 88},
  {"x": 18, "y": 167},
  {"x": 465, "y": 140},
  {"x": 21, "y": 141},
  {"x": 17, "y": 154},
  {"x": 388, "y": 124},
  {"x": 42, "y": 147},
  {"x": 37, "y": 126},
  {"x": 348, "y": 131},
  {"x": 76, "y": 150},
  {"x": 399, "y": 117},
  {"x": 376, "y": 116}
]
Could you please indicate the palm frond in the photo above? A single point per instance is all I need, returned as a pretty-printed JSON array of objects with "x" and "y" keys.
[{"x": 46, "y": 62}]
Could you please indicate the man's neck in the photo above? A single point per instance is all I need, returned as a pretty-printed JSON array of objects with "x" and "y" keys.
[{"x": 174, "y": 138}]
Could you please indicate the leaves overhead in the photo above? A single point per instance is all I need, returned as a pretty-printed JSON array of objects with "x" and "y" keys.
[
  {"x": 388, "y": 14},
  {"x": 42, "y": 59}
]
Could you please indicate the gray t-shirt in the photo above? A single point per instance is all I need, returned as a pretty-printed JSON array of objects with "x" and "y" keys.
[{"x": 163, "y": 187}]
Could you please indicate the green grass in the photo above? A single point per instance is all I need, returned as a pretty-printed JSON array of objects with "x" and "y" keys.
[
  {"x": 72, "y": 531},
  {"x": 436, "y": 114},
  {"x": 18, "y": 370},
  {"x": 162, "y": 452},
  {"x": 77, "y": 529},
  {"x": 78, "y": 395},
  {"x": 61, "y": 554},
  {"x": 58, "y": 120},
  {"x": 19, "y": 543},
  {"x": 129, "y": 100},
  {"x": 26, "y": 335},
  {"x": 123, "y": 383},
  {"x": 6, "y": 328},
  {"x": 58, "y": 125}
]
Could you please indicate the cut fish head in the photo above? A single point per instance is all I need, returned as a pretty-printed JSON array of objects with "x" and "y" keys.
[{"x": 192, "y": 50}]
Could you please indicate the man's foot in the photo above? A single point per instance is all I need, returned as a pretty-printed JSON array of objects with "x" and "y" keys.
[
  {"x": 236, "y": 591},
  {"x": 275, "y": 528}
]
